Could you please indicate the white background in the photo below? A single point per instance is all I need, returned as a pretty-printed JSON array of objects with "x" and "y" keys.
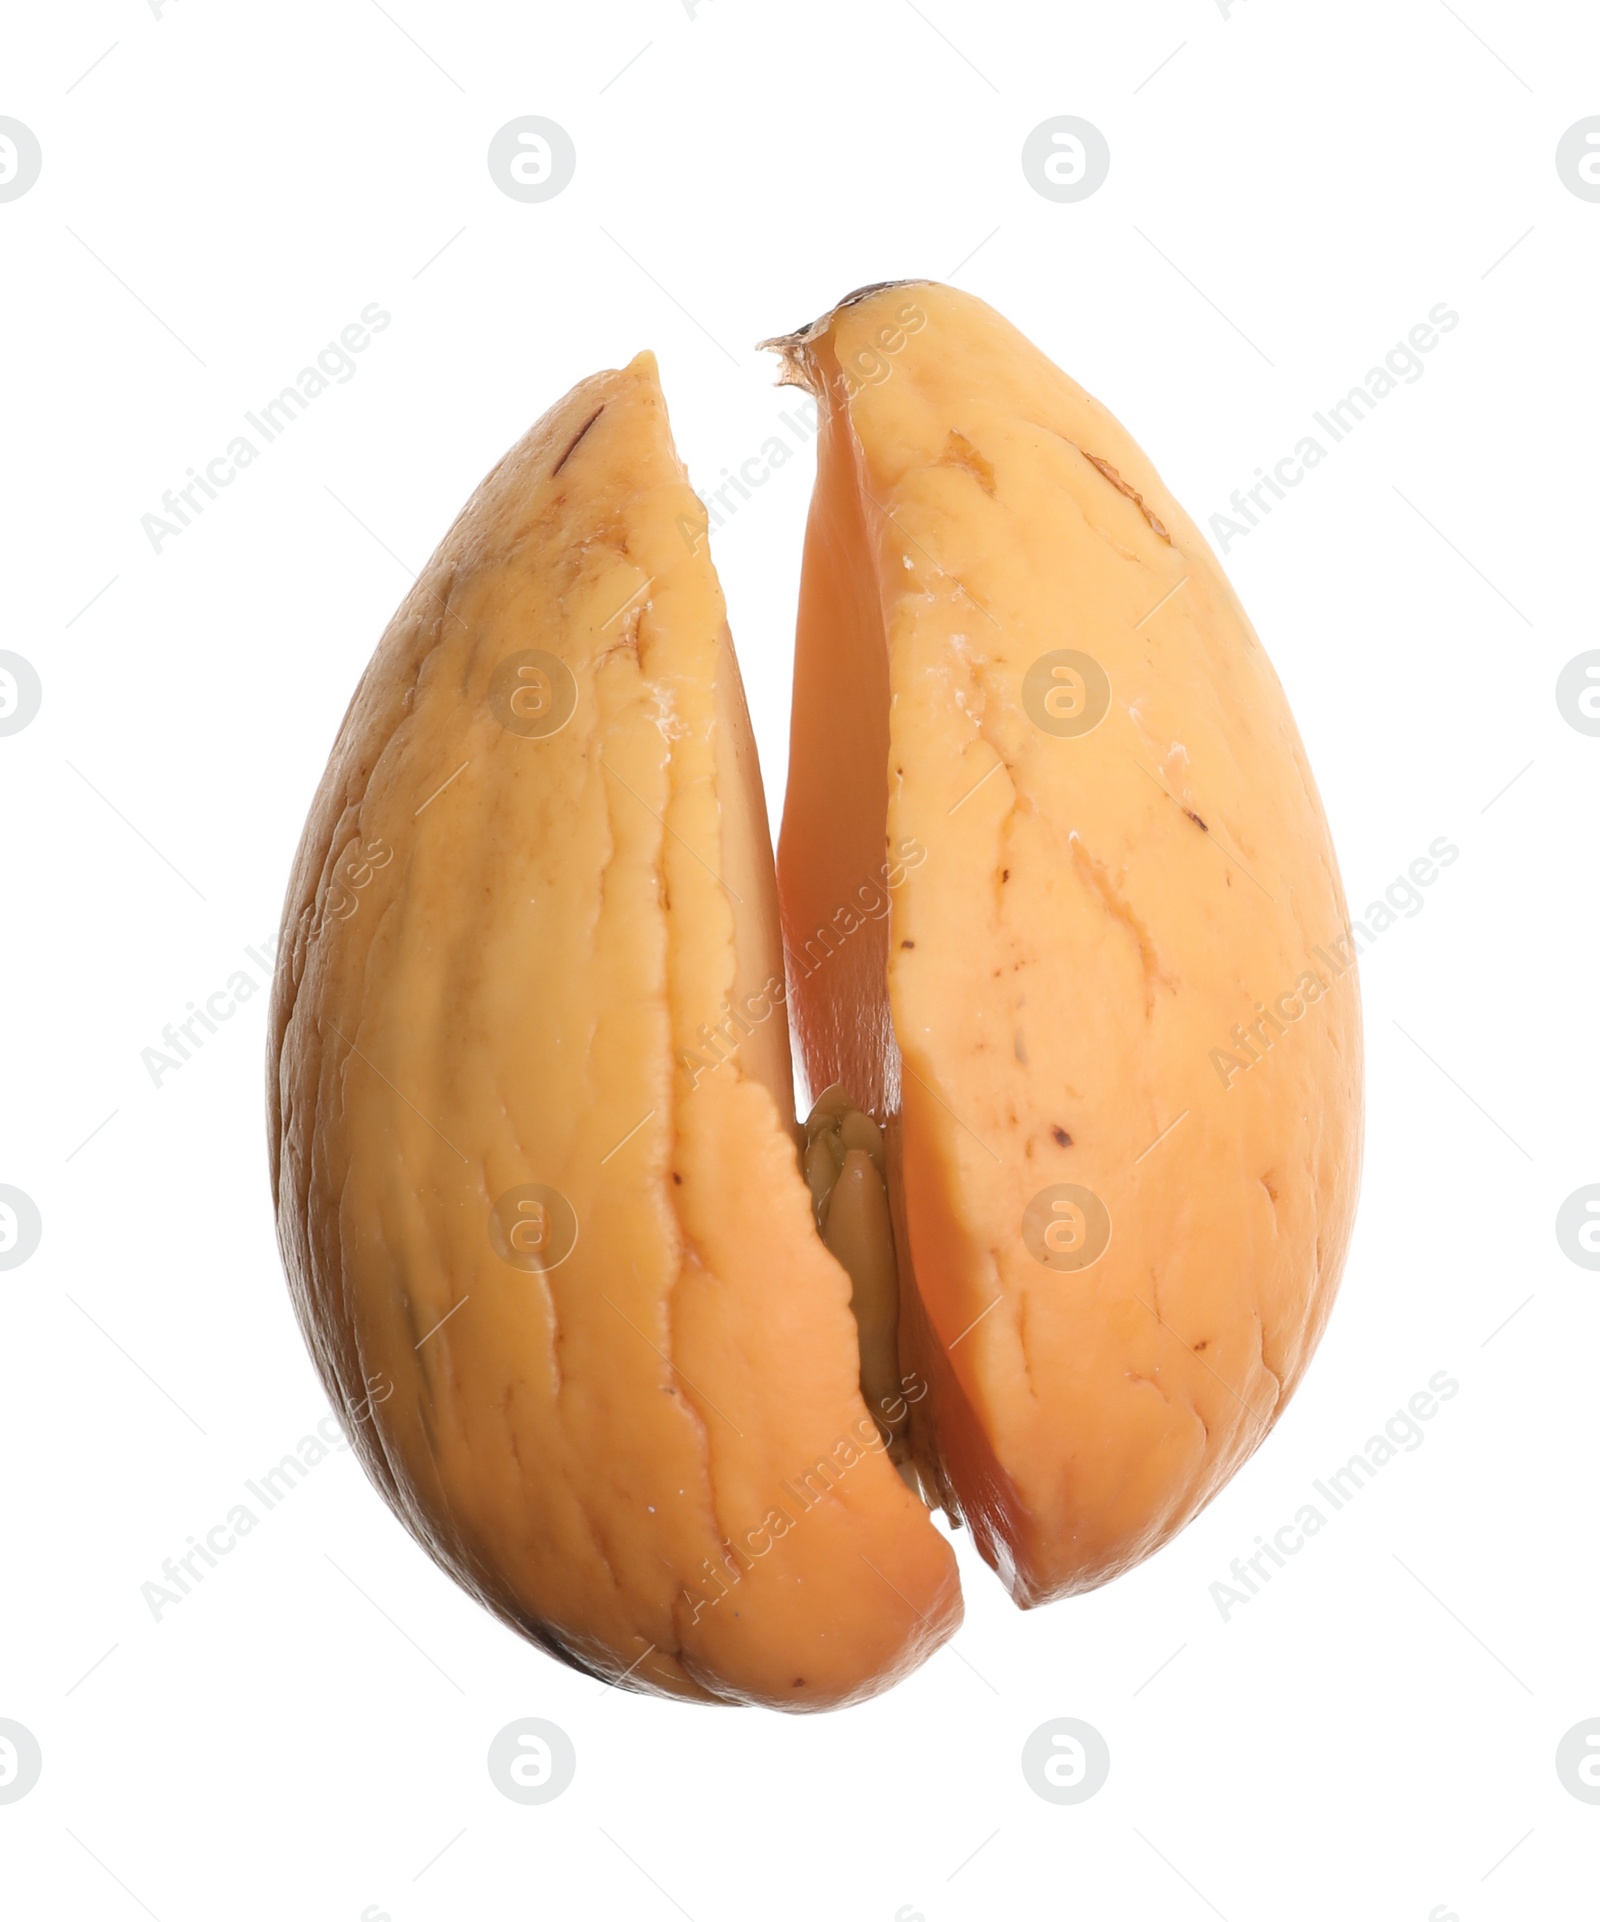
[{"x": 1374, "y": 1734}]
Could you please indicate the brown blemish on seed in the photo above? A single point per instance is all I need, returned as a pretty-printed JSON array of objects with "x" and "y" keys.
[
  {"x": 1197, "y": 821},
  {"x": 1122, "y": 487},
  {"x": 1063, "y": 1139},
  {"x": 579, "y": 436},
  {"x": 960, "y": 452}
]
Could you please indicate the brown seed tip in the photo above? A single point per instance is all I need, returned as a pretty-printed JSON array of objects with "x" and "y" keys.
[{"x": 795, "y": 369}]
